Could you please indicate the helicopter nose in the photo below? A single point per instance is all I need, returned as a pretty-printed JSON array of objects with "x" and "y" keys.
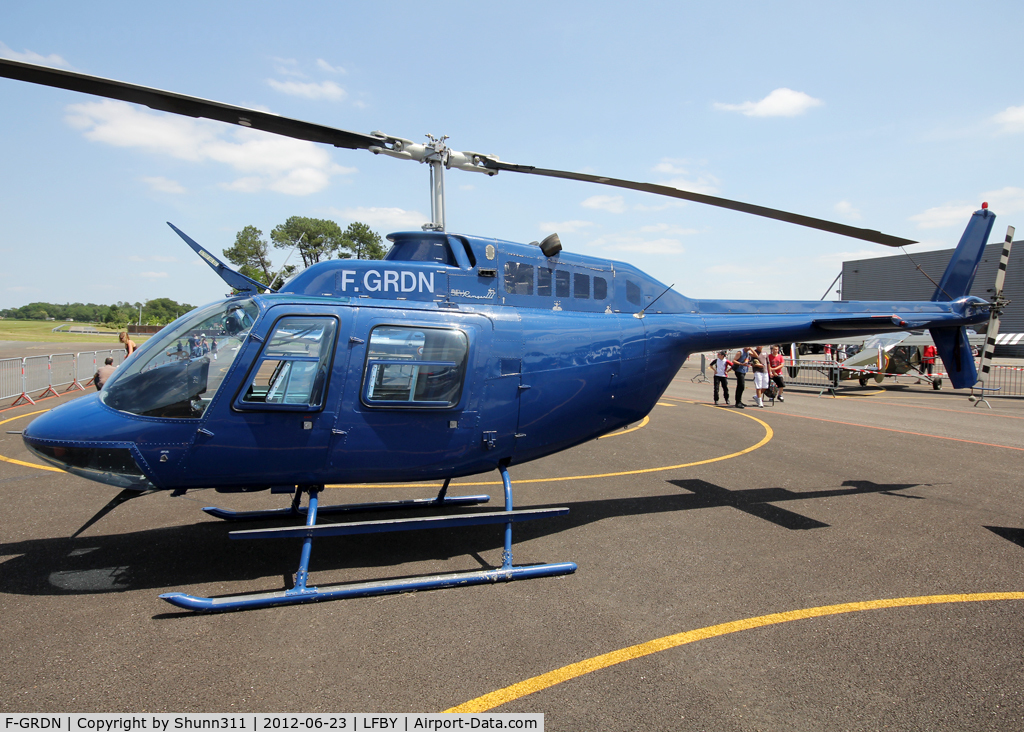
[{"x": 66, "y": 437}]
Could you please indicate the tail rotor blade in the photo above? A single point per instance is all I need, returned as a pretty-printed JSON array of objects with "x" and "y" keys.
[{"x": 992, "y": 331}]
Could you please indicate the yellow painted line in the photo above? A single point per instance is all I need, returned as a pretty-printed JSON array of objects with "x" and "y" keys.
[
  {"x": 29, "y": 465},
  {"x": 861, "y": 396},
  {"x": 768, "y": 435},
  {"x": 575, "y": 670},
  {"x": 663, "y": 404},
  {"x": 643, "y": 423},
  {"x": 21, "y": 416},
  {"x": 20, "y": 462}
]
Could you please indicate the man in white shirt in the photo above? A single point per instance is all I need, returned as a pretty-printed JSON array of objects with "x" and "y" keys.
[{"x": 721, "y": 366}]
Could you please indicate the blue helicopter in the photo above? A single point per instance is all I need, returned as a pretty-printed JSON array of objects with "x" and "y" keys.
[{"x": 455, "y": 355}]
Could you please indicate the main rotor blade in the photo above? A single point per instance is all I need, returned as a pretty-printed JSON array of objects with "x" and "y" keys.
[
  {"x": 165, "y": 101},
  {"x": 185, "y": 105},
  {"x": 771, "y": 213}
]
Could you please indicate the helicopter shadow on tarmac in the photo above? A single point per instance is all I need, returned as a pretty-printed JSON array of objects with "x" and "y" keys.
[{"x": 200, "y": 553}]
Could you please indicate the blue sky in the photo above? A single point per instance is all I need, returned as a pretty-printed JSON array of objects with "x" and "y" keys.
[{"x": 901, "y": 117}]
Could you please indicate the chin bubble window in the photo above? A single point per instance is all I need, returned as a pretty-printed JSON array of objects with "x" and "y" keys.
[
  {"x": 414, "y": 367},
  {"x": 295, "y": 365}
]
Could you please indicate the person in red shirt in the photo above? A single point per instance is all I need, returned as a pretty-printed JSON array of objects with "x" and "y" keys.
[
  {"x": 928, "y": 358},
  {"x": 775, "y": 361}
]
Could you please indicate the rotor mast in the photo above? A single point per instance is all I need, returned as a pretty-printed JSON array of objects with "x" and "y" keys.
[{"x": 439, "y": 157}]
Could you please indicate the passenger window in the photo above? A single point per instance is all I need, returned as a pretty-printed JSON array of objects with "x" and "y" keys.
[
  {"x": 414, "y": 367},
  {"x": 581, "y": 286},
  {"x": 544, "y": 281},
  {"x": 518, "y": 278},
  {"x": 561, "y": 283},
  {"x": 295, "y": 364},
  {"x": 600, "y": 288},
  {"x": 632, "y": 292}
]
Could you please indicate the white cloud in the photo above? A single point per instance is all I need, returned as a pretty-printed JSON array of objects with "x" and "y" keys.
[
  {"x": 309, "y": 90},
  {"x": 565, "y": 227},
  {"x": 782, "y": 102},
  {"x": 665, "y": 203},
  {"x": 32, "y": 57},
  {"x": 390, "y": 219},
  {"x": 847, "y": 211},
  {"x": 637, "y": 244},
  {"x": 163, "y": 185},
  {"x": 324, "y": 66},
  {"x": 612, "y": 204},
  {"x": 956, "y": 213},
  {"x": 684, "y": 179},
  {"x": 667, "y": 229},
  {"x": 287, "y": 66},
  {"x": 152, "y": 275},
  {"x": 948, "y": 214},
  {"x": 1006, "y": 200},
  {"x": 270, "y": 162},
  {"x": 1011, "y": 119}
]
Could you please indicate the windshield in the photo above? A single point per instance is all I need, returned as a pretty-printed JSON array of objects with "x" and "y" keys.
[{"x": 178, "y": 372}]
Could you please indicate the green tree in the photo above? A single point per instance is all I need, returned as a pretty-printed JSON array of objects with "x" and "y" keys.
[
  {"x": 363, "y": 242},
  {"x": 316, "y": 239},
  {"x": 251, "y": 254}
]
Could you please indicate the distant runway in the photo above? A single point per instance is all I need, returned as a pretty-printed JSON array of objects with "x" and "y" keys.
[{"x": 823, "y": 564}]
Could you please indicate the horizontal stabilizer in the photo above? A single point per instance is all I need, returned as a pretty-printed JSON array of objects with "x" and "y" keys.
[
  {"x": 955, "y": 350},
  {"x": 959, "y": 275},
  {"x": 236, "y": 280}
]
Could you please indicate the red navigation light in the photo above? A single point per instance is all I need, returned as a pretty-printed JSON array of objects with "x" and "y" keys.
[{"x": 984, "y": 205}]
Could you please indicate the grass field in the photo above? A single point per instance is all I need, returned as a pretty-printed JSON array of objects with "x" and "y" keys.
[{"x": 42, "y": 331}]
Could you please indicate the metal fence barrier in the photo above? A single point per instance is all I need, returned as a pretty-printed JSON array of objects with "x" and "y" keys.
[
  {"x": 825, "y": 375},
  {"x": 24, "y": 380}
]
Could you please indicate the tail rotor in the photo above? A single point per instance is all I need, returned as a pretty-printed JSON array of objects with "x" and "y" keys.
[{"x": 999, "y": 303}]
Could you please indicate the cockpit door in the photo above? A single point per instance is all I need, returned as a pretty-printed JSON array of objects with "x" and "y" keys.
[{"x": 272, "y": 426}]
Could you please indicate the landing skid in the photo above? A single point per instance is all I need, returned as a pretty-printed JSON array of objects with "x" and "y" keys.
[{"x": 301, "y": 593}]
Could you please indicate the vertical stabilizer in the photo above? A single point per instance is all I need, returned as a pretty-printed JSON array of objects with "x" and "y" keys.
[
  {"x": 959, "y": 275},
  {"x": 952, "y": 343}
]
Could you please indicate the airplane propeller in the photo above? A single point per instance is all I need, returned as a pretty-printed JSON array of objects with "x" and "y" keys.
[{"x": 435, "y": 152}]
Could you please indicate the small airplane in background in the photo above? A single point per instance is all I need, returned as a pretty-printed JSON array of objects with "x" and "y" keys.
[{"x": 882, "y": 356}]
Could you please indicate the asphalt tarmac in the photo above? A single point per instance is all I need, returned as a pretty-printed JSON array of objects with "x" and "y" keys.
[{"x": 854, "y": 563}]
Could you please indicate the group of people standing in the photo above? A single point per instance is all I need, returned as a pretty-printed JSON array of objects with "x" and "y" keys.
[{"x": 766, "y": 367}]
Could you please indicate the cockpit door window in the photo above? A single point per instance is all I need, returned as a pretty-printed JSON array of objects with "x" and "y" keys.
[{"x": 294, "y": 367}]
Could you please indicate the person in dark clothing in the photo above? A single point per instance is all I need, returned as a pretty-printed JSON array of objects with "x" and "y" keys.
[
  {"x": 740, "y": 366},
  {"x": 103, "y": 373}
]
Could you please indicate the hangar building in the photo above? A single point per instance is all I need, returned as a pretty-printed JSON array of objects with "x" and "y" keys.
[{"x": 898, "y": 278}]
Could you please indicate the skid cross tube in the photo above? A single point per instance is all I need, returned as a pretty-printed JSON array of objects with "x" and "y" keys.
[
  {"x": 296, "y": 510},
  {"x": 301, "y": 593}
]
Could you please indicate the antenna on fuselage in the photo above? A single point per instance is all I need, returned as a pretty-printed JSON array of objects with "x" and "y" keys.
[
  {"x": 284, "y": 267},
  {"x": 642, "y": 312}
]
